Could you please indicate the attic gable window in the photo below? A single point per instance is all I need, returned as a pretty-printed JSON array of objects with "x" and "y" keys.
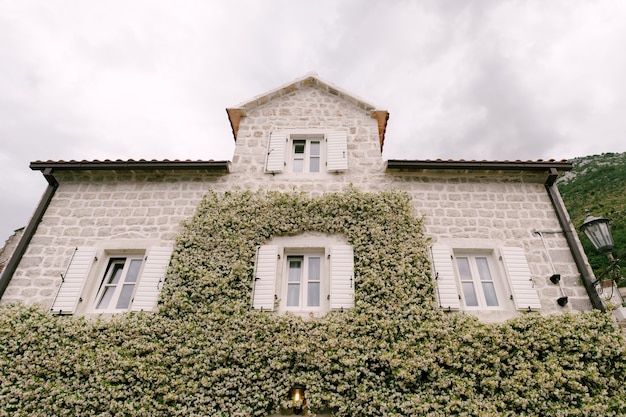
[
  {"x": 307, "y": 152},
  {"x": 306, "y": 155}
]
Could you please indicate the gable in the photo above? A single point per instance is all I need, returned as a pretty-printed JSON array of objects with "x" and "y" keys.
[{"x": 310, "y": 84}]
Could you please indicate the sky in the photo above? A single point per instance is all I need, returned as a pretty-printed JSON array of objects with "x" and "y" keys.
[{"x": 461, "y": 79}]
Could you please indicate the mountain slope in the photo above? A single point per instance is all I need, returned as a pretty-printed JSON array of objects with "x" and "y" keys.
[{"x": 597, "y": 185}]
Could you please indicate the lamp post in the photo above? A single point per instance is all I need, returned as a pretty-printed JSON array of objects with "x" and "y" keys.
[{"x": 598, "y": 231}]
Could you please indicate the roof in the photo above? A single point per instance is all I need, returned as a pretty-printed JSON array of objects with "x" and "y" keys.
[
  {"x": 461, "y": 164},
  {"x": 311, "y": 79},
  {"x": 131, "y": 164}
]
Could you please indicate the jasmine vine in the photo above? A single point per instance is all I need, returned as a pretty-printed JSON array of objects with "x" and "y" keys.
[{"x": 205, "y": 352}]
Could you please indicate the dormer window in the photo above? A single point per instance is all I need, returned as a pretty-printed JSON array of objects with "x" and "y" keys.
[{"x": 307, "y": 152}]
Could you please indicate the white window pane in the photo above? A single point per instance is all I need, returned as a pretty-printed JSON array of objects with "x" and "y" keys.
[
  {"x": 106, "y": 298},
  {"x": 314, "y": 269},
  {"x": 133, "y": 270},
  {"x": 295, "y": 270},
  {"x": 298, "y": 146},
  {"x": 483, "y": 269},
  {"x": 293, "y": 295},
  {"x": 464, "y": 268},
  {"x": 471, "y": 300},
  {"x": 125, "y": 296},
  {"x": 115, "y": 268},
  {"x": 315, "y": 149},
  {"x": 313, "y": 294},
  {"x": 490, "y": 294},
  {"x": 315, "y": 164},
  {"x": 298, "y": 165}
]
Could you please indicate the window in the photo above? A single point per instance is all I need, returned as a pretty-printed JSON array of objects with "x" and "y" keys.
[
  {"x": 483, "y": 279},
  {"x": 118, "y": 284},
  {"x": 304, "y": 282},
  {"x": 307, "y": 152},
  {"x": 306, "y": 155},
  {"x": 112, "y": 280},
  {"x": 303, "y": 279},
  {"x": 477, "y": 283}
]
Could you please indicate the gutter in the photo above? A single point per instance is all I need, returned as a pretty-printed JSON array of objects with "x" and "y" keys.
[
  {"x": 572, "y": 240},
  {"x": 29, "y": 231}
]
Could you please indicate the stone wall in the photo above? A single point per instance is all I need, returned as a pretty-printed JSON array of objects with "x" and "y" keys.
[
  {"x": 91, "y": 207},
  {"x": 488, "y": 207}
]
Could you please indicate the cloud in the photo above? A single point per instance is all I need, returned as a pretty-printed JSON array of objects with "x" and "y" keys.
[{"x": 461, "y": 79}]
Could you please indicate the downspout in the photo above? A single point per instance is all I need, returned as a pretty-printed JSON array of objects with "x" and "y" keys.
[
  {"x": 29, "y": 231},
  {"x": 572, "y": 240}
]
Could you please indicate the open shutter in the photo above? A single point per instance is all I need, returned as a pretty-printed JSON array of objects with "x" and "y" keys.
[
  {"x": 152, "y": 276},
  {"x": 336, "y": 151},
  {"x": 276, "y": 152},
  {"x": 341, "y": 277},
  {"x": 448, "y": 296},
  {"x": 264, "y": 286},
  {"x": 73, "y": 281},
  {"x": 524, "y": 292}
]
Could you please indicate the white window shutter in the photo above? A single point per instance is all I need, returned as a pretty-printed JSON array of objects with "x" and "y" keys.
[
  {"x": 336, "y": 151},
  {"x": 341, "y": 277},
  {"x": 151, "y": 279},
  {"x": 276, "y": 152},
  {"x": 524, "y": 293},
  {"x": 264, "y": 286},
  {"x": 73, "y": 281},
  {"x": 448, "y": 296}
]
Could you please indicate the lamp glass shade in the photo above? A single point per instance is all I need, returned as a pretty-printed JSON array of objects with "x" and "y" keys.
[
  {"x": 599, "y": 233},
  {"x": 297, "y": 394}
]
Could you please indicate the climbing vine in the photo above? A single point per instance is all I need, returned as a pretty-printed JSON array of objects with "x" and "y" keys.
[{"x": 205, "y": 352}]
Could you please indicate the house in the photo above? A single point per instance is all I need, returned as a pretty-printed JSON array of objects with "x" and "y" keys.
[{"x": 498, "y": 243}]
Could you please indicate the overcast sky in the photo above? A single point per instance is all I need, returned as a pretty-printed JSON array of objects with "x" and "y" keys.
[{"x": 122, "y": 79}]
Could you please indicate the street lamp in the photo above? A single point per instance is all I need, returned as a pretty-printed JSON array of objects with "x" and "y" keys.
[
  {"x": 296, "y": 395},
  {"x": 598, "y": 231}
]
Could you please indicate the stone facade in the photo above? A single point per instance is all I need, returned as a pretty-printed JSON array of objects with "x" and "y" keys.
[{"x": 478, "y": 207}]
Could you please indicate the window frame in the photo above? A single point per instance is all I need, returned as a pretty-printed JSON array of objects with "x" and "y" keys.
[
  {"x": 118, "y": 287},
  {"x": 323, "y": 280},
  {"x": 476, "y": 278},
  {"x": 307, "y": 156}
]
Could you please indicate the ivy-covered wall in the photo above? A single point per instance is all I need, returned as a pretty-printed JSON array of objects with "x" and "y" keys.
[{"x": 204, "y": 352}]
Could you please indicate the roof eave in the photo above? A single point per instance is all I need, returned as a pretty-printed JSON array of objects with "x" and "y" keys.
[
  {"x": 421, "y": 165},
  {"x": 213, "y": 166}
]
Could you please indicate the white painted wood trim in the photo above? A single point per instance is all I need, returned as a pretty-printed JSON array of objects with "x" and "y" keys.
[
  {"x": 151, "y": 279},
  {"x": 443, "y": 271},
  {"x": 524, "y": 293},
  {"x": 276, "y": 147},
  {"x": 73, "y": 281},
  {"x": 264, "y": 286},
  {"x": 341, "y": 277},
  {"x": 336, "y": 151}
]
